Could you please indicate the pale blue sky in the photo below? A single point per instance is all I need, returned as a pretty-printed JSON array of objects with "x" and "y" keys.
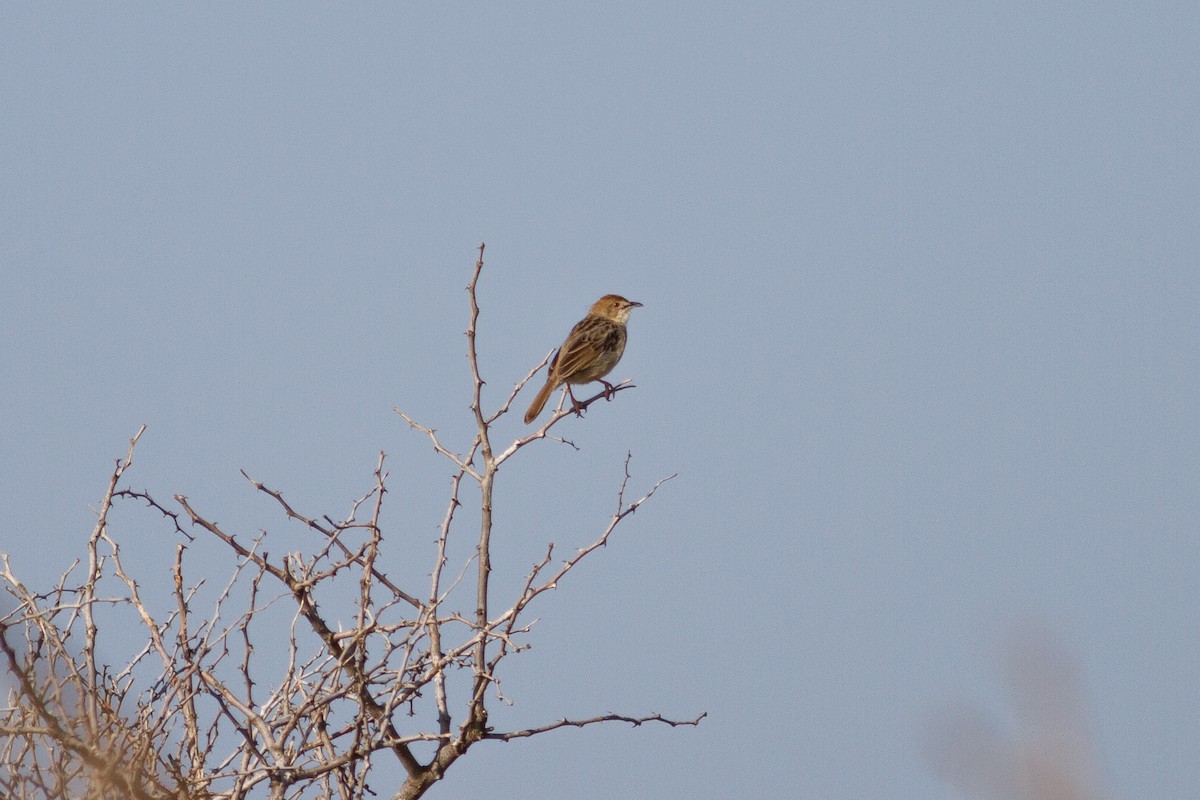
[{"x": 920, "y": 338}]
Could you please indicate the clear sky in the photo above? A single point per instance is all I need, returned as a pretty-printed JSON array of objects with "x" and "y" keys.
[{"x": 920, "y": 337}]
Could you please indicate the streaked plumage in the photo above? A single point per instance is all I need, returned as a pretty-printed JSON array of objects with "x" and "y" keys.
[{"x": 592, "y": 349}]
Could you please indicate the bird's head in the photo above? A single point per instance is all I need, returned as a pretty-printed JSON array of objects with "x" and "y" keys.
[{"x": 614, "y": 307}]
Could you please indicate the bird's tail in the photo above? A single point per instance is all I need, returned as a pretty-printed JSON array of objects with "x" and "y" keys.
[{"x": 539, "y": 402}]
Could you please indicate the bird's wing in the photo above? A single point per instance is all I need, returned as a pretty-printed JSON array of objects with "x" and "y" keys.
[{"x": 579, "y": 350}]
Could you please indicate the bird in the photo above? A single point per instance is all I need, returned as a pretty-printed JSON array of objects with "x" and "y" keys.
[{"x": 591, "y": 350}]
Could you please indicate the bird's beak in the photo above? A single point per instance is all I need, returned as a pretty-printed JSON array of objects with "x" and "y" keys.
[{"x": 634, "y": 304}]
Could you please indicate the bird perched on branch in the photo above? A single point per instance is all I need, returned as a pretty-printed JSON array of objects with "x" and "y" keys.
[{"x": 592, "y": 349}]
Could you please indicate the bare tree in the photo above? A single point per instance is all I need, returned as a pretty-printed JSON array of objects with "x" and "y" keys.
[{"x": 208, "y": 706}]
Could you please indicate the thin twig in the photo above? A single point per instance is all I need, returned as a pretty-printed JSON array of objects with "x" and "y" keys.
[{"x": 583, "y": 723}]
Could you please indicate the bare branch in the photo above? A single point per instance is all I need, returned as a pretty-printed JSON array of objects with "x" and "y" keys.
[
  {"x": 336, "y": 529},
  {"x": 559, "y": 414},
  {"x": 508, "y": 401},
  {"x": 462, "y": 463},
  {"x": 583, "y": 723},
  {"x": 623, "y": 511},
  {"x": 476, "y": 720}
]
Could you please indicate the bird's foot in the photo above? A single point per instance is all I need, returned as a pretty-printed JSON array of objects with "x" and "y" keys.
[{"x": 575, "y": 406}]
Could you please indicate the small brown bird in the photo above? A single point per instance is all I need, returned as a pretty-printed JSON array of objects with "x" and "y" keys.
[{"x": 592, "y": 349}]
